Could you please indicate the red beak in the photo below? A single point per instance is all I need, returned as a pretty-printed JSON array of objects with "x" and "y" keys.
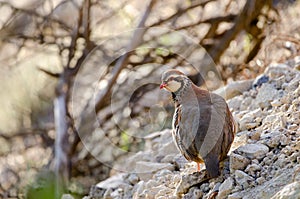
[{"x": 163, "y": 85}]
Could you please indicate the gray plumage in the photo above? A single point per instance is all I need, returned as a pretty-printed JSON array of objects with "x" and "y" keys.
[{"x": 203, "y": 127}]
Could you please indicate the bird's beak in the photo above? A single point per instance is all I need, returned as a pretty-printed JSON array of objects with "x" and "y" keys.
[{"x": 163, "y": 85}]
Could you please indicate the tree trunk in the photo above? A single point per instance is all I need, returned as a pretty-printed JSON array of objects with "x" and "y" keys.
[{"x": 61, "y": 166}]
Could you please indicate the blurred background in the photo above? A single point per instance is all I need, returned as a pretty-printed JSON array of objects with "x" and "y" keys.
[{"x": 79, "y": 78}]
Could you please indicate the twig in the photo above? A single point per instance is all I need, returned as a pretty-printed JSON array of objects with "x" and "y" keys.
[
  {"x": 250, "y": 12},
  {"x": 214, "y": 20},
  {"x": 55, "y": 75},
  {"x": 182, "y": 11},
  {"x": 136, "y": 40}
]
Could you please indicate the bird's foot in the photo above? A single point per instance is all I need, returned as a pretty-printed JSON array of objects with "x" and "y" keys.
[{"x": 198, "y": 167}]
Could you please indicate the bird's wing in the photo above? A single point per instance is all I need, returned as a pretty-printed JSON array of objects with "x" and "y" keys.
[{"x": 215, "y": 120}]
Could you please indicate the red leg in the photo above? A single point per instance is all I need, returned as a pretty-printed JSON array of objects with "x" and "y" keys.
[{"x": 198, "y": 166}]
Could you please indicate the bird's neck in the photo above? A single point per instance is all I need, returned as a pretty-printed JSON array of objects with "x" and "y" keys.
[{"x": 177, "y": 96}]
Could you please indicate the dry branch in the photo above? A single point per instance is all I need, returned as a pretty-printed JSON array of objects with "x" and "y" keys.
[{"x": 181, "y": 11}]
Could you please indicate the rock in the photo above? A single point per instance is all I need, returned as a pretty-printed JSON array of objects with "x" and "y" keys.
[
  {"x": 293, "y": 127},
  {"x": 163, "y": 192},
  {"x": 138, "y": 189},
  {"x": 274, "y": 138},
  {"x": 168, "y": 159},
  {"x": 255, "y": 135},
  {"x": 243, "y": 179},
  {"x": 156, "y": 191},
  {"x": 167, "y": 149},
  {"x": 253, "y": 168},
  {"x": 193, "y": 193},
  {"x": 290, "y": 191},
  {"x": 237, "y": 162},
  {"x": 259, "y": 80},
  {"x": 253, "y": 151},
  {"x": 180, "y": 161},
  {"x": 163, "y": 173},
  {"x": 188, "y": 181},
  {"x": 260, "y": 180},
  {"x": 276, "y": 103},
  {"x": 235, "y": 103},
  {"x": 131, "y": 161},
  {"x": 113, "y": 182},
  {"x": 225, "y": 188},
  {"x": 266, "y": 94},
  {"x": 67, "y": 196},
  {"x": 133, "y": 178},
  {"x": 248, "y": 120},
  {"x": 281, "y": 161},
  {"x": 4, "y": 146},
  {"x": 275, "y": 120},
  {"x": 233, "y": 89},
  {"x": 235, "y": 196},
  {"x": 271, "y": 139},
  {"x": 240, "y": 139},
  {"x": 246, "y": 103},
  {"x": 145, "y": 170},
  {"x": 276, "y": 70},
  {"x": 96, "y": 192}
]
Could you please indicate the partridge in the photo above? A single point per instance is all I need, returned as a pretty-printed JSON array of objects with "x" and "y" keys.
[{"x": 203, "y": 126}]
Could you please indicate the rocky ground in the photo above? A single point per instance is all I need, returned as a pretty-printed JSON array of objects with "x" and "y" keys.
[{"x": 264, "y": 161}]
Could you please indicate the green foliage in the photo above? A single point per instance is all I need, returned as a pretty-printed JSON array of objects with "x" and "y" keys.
[
  {"x": 171, "y": 39},
  {"x": 247, "y": 42},
  {"x": 125, "y": 141},
  {"x": 43, "y": 186}
]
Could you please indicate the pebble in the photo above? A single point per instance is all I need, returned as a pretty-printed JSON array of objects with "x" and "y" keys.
[
  {"x": 133, "y": 178},
  {"x": 276, "y": 103},
  {"x": 238, "y": 162},
  {"x": 248, "y": 120},
  {"x": 145, "y": 170},
  {"x": 235, "y": 196},
  {"x": 290, "y": 191},
  {"x": 266, "y": 94},
  {"x": 252, "y": 169},
  {"x": 225, "y": 188},
  {"x": 67, "y": 196},
  {"x": 260, "y": 180},
  {"x": 253, "y": 151},
  {"x": 193, "y": 193}
]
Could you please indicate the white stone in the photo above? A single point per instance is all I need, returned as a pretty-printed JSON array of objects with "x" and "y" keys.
[
  {"x": 252, "y": 169},
  {"x": 248, "y": 120},
  {"x": 236, "y": 195},
  {"x": 138, "y": 189},
  {"x": 290, "y": 191},
  {"x": 237, "y": 162},
  {"x": 253, "y": 151},
  {"x": 133, "y": 178},
  {"x": 225, "y": 188},
  {"x": 112, "y": 182},
  {"x": 235, "y": 102},
  {"x": 243, "y": 179},
  {"x": 145, "y": 170},
  {"x": 266, "y": 94},
  {"x": 67, "y": 196},
  {"x": 276, "y": 103}
]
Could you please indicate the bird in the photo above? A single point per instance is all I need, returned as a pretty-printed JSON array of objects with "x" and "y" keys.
[{"x": 203, "y": 127}]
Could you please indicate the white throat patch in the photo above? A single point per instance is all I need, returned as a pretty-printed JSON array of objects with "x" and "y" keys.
[{"x": 173, "y": 86}]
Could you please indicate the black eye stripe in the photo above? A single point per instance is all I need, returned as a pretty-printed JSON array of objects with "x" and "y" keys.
[{"x": 177, "y": 79}]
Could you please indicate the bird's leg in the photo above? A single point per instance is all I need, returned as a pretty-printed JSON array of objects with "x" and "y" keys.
[{"x": 198, "y": 167}]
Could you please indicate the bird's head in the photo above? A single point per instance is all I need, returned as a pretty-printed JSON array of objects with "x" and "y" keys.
[{"x": 173, "y": 80}]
